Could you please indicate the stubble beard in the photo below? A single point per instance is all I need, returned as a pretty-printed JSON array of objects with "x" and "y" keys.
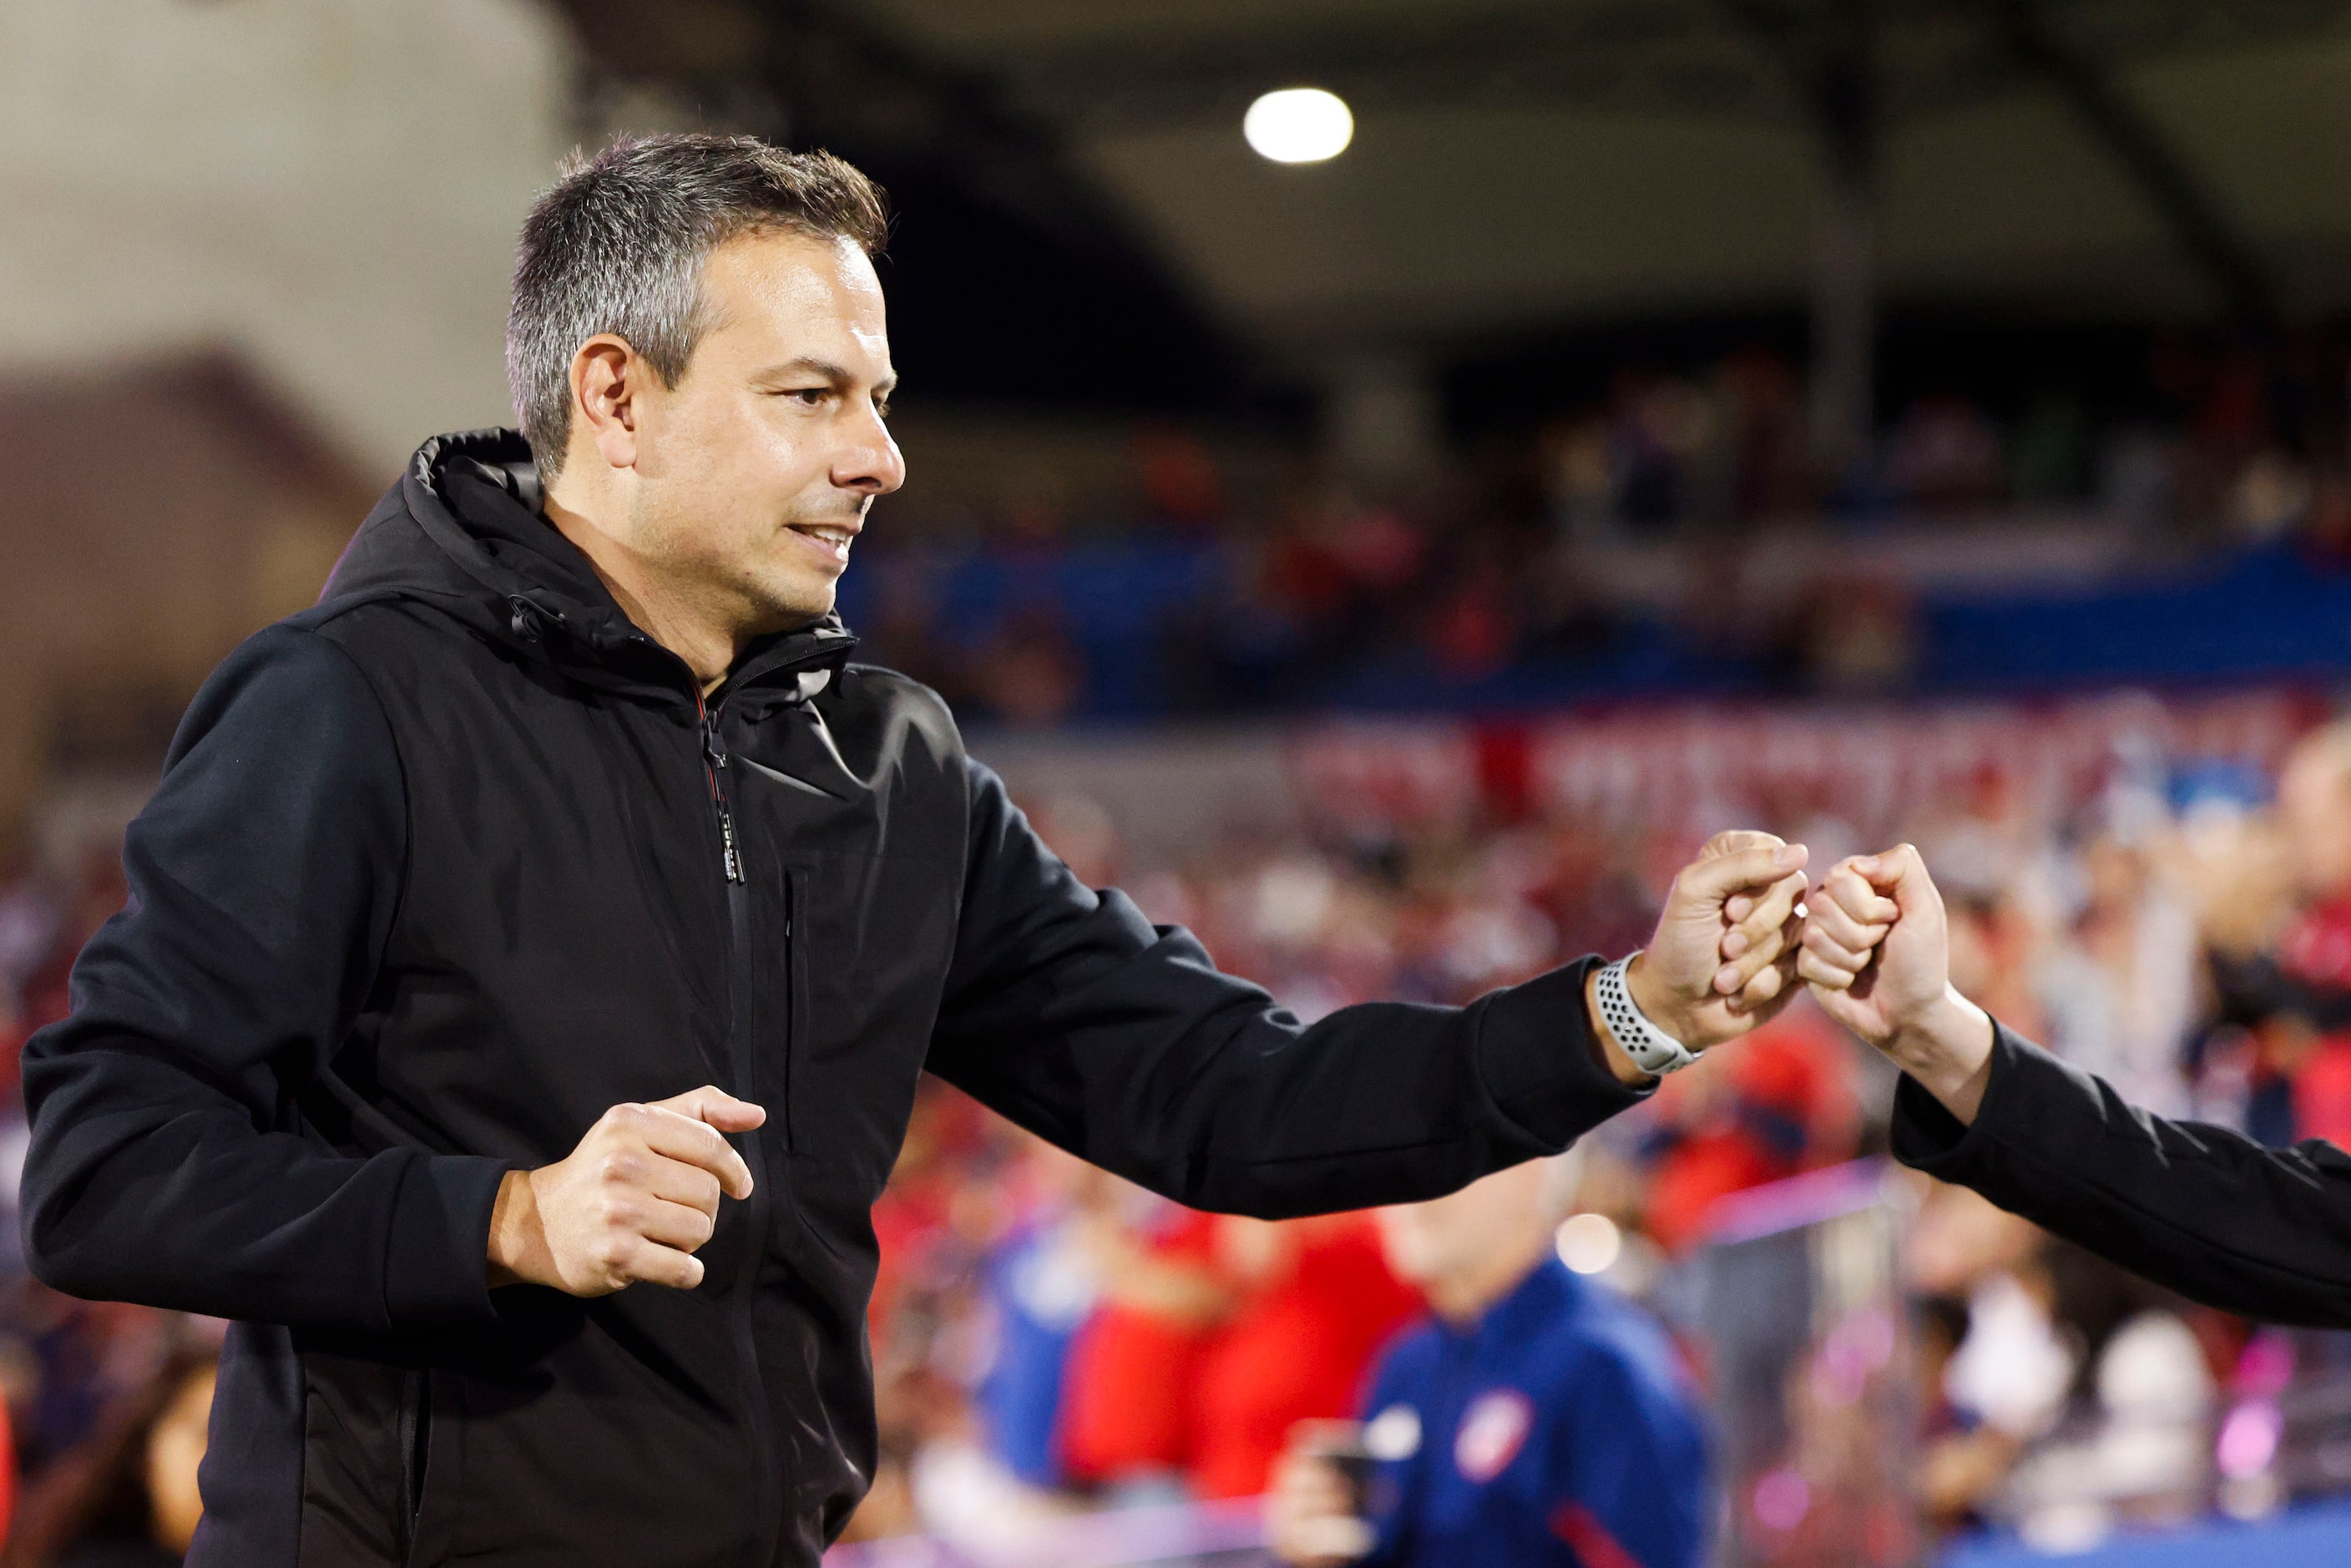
[{"x": 745, "y": 588}]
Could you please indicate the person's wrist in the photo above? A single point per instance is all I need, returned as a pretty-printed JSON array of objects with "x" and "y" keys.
[
  {"x": 1658, "y": 1004},
  {"x": 1603, "y": 1044},
  {"x": 1641, "y": 985},
  {"x": 1947, "y": 1047},
  {"x": 515, "y": 1236}
]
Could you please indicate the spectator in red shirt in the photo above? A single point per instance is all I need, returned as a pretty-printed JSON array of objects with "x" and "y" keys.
[
  {"x": 1126, "y": 1412},
  {"x": 1318, "y": 1300},
  {"x": 1780, "y": 1105}
]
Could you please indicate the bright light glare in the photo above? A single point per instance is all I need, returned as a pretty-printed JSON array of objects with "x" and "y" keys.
[
  {"x": 1298, "y": 125},
  {"x": 1588, "y": 1243}
]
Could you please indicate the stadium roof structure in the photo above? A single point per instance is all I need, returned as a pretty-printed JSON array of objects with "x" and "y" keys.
[{"x": 1541, "y": 161}]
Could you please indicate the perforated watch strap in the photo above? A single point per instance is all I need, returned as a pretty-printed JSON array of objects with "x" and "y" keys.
[{"x": 1651, "y": 1048}]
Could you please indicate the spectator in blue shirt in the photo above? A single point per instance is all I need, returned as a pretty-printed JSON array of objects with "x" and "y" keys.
[
  {"x": 1536, "y": 1421},
  {"x": 1040, "y": 1286}
]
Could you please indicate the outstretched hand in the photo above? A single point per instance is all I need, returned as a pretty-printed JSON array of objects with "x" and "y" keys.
[
  {"x": 1877, "y": 954},
  {"x": 1724, "y": 957}
]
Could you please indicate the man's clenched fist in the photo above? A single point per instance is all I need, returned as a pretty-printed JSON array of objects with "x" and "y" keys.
[
  {"x": 1876, "y": 952},
  {"x": 1723, "y": 959},
  {"x": 633, "y": 1203},
  {"x": 1724, "y": 955}
]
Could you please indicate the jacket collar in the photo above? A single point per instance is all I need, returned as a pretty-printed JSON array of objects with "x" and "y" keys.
[{"x": 463, "y": 530}]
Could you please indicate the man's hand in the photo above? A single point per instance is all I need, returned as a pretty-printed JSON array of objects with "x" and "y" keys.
[
  {"x": 1724, "y": 955},
  {"x": 1310, "y": 1518},
  {"x": 633, "y": 1203},
  {"x": 1877, "y": 953}
]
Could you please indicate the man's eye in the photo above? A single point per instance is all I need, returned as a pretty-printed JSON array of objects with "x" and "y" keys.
[
  {"x": 882, "y": 408},
  {"x": 810, "y": 397}
]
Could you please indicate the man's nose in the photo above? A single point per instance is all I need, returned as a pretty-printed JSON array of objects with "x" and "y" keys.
[{"x": 870, "y": 462}]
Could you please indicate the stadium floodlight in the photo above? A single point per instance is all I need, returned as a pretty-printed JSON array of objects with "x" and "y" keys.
[{"x": 1298, "y": 125}]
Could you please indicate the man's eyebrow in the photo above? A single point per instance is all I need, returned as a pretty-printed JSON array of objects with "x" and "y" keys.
[
  {"x": 808, "y": 365},
  {"x": 825, "y": 371}
]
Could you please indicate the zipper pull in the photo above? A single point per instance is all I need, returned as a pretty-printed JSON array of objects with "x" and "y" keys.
[
  {"x": 714, "y": 751},
  {"x": 727, "y": 840}
]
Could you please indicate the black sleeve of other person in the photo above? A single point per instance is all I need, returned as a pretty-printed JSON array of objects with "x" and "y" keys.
[
  {"x": 2262, "y": 1232},
  {"x": 263, "y": 878},
  {"x": 1073, "y": 1015}
]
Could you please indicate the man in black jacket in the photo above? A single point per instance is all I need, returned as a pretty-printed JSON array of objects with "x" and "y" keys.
[
  {"x": 2208, "y": 1212},
  {"x": 565, "y": 799}
]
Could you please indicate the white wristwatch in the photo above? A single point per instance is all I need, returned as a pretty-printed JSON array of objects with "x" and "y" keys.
[{"x": 1652, "y": 1049}]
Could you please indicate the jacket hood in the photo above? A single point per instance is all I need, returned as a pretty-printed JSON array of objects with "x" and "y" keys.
[{"x": 462, "y": 531}]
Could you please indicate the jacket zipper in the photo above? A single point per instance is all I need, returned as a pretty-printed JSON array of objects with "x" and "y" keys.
[
  {"x": 742, "y": 1057},
  {"x": 714, "y": 765}
]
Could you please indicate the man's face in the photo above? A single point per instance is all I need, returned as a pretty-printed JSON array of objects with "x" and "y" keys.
[{"x": 757, "y": 469}]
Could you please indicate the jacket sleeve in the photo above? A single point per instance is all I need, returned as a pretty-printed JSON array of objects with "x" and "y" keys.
[
  {"x": 2265, "y": 1233},
  {"x": 262, "y": 877},
  {"x": 1073, "y": 1015}
]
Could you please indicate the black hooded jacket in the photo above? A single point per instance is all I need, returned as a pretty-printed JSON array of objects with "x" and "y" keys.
[{"x": 445, "y": 867}]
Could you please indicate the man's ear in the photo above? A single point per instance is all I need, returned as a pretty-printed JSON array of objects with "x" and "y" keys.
[{"x": 606, "y": 377}]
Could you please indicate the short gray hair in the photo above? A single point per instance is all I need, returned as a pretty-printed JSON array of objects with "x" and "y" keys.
[{"x": 617, "y": 245}]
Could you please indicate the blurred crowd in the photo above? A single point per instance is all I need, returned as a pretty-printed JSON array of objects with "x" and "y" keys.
[{"x": 1192, "y": 593}]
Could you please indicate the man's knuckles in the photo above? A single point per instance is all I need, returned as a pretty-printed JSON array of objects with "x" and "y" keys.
[
  {"x": 610, "y": 1252},
  {"x": 1861, "y": 905},
  {"x": 1828, "y": 966},
  {"x": 1830, "y": 951},
  {"x": 1767, "y": 924},
  {"x": 1818, "y": 971},
  {"x": 1832, "y": 923},
  {"x": 1760, "y": 950},
  {"x": 632, "y": 1117},
  {"x": 624, "y": 1167}
]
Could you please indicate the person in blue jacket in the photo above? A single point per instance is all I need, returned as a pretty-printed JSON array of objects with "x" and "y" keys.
[{"x": 1536, "y": 1420}]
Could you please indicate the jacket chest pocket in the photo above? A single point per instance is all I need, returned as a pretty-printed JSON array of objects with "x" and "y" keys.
[{"x": 867, "y": 943}]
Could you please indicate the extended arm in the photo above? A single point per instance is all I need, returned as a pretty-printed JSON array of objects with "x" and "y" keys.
[
  {"x": 2209, "y": 1213},
  {"x": 1070, "y": 1013},
  {"x": 263, "y": 878},
  {"x": 2198, "y": 1208}
]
